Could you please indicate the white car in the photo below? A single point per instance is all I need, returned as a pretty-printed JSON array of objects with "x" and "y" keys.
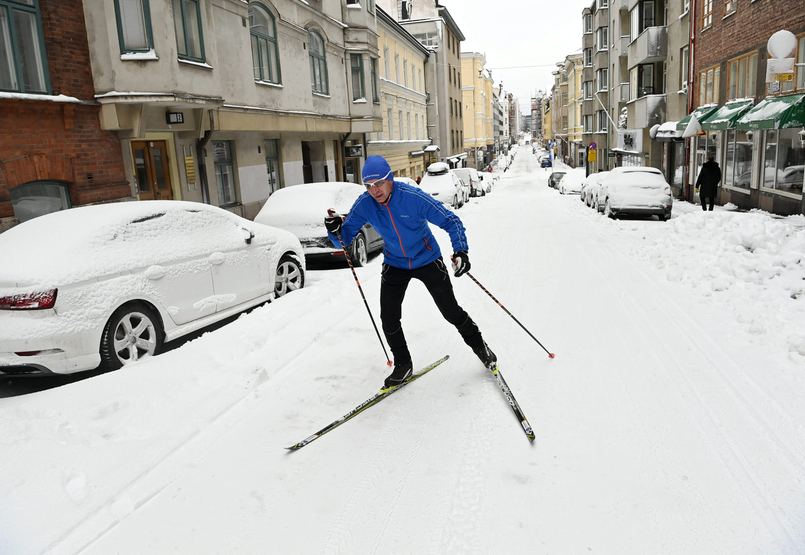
[
  {"x": 637, "y": 191},
  {"x": 444, "y": 185},
  {"x": 301, "y": 209},
  {"x": 572, "y": 181},
  {"x": 474, "y": 179},
  {"x": 591, "y": 188},
  {"x": 110, "y": 284}
]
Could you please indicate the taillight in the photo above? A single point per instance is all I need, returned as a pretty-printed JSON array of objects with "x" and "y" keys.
[{"x": 39, "y": 300}]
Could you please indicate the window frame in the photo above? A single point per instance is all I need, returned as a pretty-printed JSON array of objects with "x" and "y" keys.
[
  {"x": 270, "y": 161},
  {"x": 730, "y": 7},
  {"x": 357, "y": 72},
  {"x": 375, "y": 88},
  {"x": 18, "y": 78},
  {"x": 715, "y": 84},
  {"x": 602, "y": 35},
  {"x": 318, "y": 61},
  {"x": 587, "y": 57},
  {"x": 587, "y": 24},
  {"x": 602, "y": 72},
  {"x": 707, "y": 14},
  {"x": 269, "y": 41},
  {"x": 747, "y": 78},
  {"x": 183, "y": 19},
  {"x": 149, "y": 36}
]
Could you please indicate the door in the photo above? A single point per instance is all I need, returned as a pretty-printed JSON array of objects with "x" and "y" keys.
[{"x": 151, "y": 170}]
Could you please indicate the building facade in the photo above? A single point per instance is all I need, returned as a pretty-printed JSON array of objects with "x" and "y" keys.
[
  {"x": 53, "y": 152},
  {"x": 478, "y": 113},
  {"x": 595, "y": 86},
  {"x": 403, "y": 100}
]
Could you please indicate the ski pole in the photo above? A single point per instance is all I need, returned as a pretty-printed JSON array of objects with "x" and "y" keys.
[
  {"x": 331, "y": 212},
  {"x": 550, "y": 354}
]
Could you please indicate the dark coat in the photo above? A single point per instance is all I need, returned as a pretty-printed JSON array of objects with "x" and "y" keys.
[{"x": 708, "y": 180}]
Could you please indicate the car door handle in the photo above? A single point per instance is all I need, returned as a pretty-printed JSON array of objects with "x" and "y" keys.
[{"x": 217, "y": 258}]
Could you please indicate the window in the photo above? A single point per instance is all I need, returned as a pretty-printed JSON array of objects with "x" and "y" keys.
[
  {"x": 588, "y": 57},
  {"x": 602, "y": 79},
  {"x": 133, "y": 26},
  {"x": 685, "y": 68},
  {"x": 224, "y": 173},
  {"x": 709, "y": 83},
  {"x": 413, "y": 77},
  {"x": 416, "y": 127},
  {"x": 588, "y": 23},
  {"x": 588, "y": 90},
  {"x": 264, "y": 45},
  {"x": 730, "y": 6},
  {"x": 428, "y": 39},
  {"x": 272, "y": 164},
  {"x": 602, "y": 120},
  {"x": 707, "y": 13},
  {"x": 738, "y": 159},
  {"x": 742, "y": 77},
  {"x": 352, "y": 2},
  {"x": 387, "y": 62},
  {"x": 375, "y": 96},
  {"x": 451, "y": 107},
  {"x": 405, "y": 72},
  {"x": 408, "y": 124},
  {"x": 641, "y": 79},
  {"x": 685, "y": 6},
  {"x": 587, "y": 124},
  {"x": 187, "y": 23},
  {"x": 405, "y": 9},
  {"x": 400, "y": 128},
  {"x": 801, "y": 60},
  {"x": 783, "y": 161},
  {"x": 396, "y": 68},
  {"x": 391, "y": 123},
  {"x": 419, "y": 80},
  {"x": 601, "y": 38},
  {"x": 23, "y": 66},
  {"x": 603, "y": 4},
  {"x": 356, "y": 72},
  {"x": 370, "y": 6},
  {"x": 318, "y": 63}
]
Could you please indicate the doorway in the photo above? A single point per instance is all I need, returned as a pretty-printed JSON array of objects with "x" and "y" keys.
[{"x": 152, "y": 170}]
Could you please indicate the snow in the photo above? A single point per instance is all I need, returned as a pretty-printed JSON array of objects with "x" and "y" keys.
[{"x": 669, "y": 422}]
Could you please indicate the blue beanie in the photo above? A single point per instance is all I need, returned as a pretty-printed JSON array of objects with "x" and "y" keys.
[{"x": 376, "y": 167}]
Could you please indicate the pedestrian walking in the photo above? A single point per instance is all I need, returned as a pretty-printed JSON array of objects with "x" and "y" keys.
[
  {"x": 707, "y": 182},
  {"x": 400, "y": 213}
]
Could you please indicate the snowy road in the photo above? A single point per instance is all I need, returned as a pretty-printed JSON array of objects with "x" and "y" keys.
[{"x": 662, "y": 425}]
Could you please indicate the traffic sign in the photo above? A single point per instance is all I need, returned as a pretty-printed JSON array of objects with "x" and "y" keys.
[{"x": 592, "y": 146}]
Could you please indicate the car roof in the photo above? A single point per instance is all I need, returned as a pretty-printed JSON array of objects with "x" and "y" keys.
[{"x": 438, "y": 167}]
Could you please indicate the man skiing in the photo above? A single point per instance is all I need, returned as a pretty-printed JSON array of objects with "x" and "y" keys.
[{"x": 400, "y": 213}]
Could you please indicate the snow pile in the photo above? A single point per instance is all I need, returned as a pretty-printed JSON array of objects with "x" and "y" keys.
[{"x": 752, "y": 262}]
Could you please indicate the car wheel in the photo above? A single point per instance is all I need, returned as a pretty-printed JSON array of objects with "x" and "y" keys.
[
  {"x": 359, "y": 254},
  {"x": 455, "y": 202},
  {"x": 608, "y": 210},
  {"x": 290, "y": 276},
  {"x": 133, "y": 332}
]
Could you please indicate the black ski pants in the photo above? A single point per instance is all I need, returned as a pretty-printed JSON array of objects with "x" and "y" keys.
[{"x": 436, "y": 279}]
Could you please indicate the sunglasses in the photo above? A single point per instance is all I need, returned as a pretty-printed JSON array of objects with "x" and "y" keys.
[{"x": 375, "y": 185}]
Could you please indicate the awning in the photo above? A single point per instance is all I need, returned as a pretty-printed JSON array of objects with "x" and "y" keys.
[
  {"x": 701, "y": 114},
  {"x": 777, "y": 112},
  {"x": 668, "y": 132},
  {"x": 726, "y": 116}
]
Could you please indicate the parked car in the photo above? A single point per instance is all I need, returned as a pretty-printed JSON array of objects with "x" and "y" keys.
[
  {"x": 545, "y": 163},
  {"x": 593, "y": 188},
  {"x": 475, "y": 180},
  {"x": 301, "y": 209},
  {"x": 443, "y": 184},
  {"x": 572, "y": 181},
  {"x": 407, "y": 180},
  {"x": 555, "y": 178},
  {"x": 635, "y": 190},
  {"x": 109, "y": 284}
]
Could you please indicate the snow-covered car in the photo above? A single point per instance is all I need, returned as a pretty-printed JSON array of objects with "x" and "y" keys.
[
  {"x": 591, "y": 188},
  {"x": 475, "y": 180},
  {"x": 444, "y": 185},
  {"x": 555, "y": 178},
  {"x": 407, "y": 180},
  {"x": 572, "y": 181},
  {"x": 109, "y": 284},
  {"x": 301, "y": 209},
  {"x": 637, "y": 191}
]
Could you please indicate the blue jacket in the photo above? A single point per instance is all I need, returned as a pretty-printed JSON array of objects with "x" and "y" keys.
[{"x": 402, "y": 221}]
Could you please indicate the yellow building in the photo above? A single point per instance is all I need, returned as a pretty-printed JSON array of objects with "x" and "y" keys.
[
  {"x": 477, "y": 99},
  {"x": 402, "y": 98}
]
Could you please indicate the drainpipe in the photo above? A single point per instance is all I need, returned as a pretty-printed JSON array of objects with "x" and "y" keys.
[
  {"x": 202, "y": 165},
  {"x": 691, "y": 65}
]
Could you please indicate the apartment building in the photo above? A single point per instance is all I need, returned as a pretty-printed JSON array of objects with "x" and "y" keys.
[
  {"x": 433, "y": 25},
  {"x": 403, "y": 99},
  {"x": 748, "y": 96},
  {"x": 479, "y": 140},
  {"x": 595, "y": 85},
  {"x": 53, "y": 152},
  {"x": 224, "y": 101}
]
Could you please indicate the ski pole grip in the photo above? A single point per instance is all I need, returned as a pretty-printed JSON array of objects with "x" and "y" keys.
[{"x": 330, "y": 212}]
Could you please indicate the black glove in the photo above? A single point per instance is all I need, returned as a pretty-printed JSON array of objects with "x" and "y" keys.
[
  {"x": 333, "y": 223},
  {"x": 461, "y": 263}
]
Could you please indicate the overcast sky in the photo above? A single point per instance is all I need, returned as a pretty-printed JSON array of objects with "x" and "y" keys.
[{"x": 528, "y": 35}]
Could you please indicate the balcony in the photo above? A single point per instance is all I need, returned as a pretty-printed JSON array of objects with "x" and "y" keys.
[
  {"x": 649, "y": 47},
  {"x": 648, "y": 110}
]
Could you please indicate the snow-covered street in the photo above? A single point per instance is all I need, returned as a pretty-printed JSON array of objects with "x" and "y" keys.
[{"x": 670, "y": 421}]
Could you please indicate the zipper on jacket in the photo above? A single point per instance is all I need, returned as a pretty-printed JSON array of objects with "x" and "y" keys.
[
  {"x": 426, "y": 244},
  {"x": 394, "y": 225}
]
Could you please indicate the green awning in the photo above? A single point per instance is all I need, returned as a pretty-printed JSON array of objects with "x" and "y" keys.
[
  {"x": 776, "y": 112},
  {"x": 701, "y": 114},
  {"x": 726, "y": 116}
]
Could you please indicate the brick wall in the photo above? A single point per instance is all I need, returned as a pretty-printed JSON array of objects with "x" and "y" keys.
[
  {"x": 45, "y": 140},
  {"x": 746, "y": 30}
]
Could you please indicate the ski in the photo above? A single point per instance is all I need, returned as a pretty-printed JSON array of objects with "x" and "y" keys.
[
  {"x": 375, "y": 399},
  {"x": 518, "y": 412}
]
